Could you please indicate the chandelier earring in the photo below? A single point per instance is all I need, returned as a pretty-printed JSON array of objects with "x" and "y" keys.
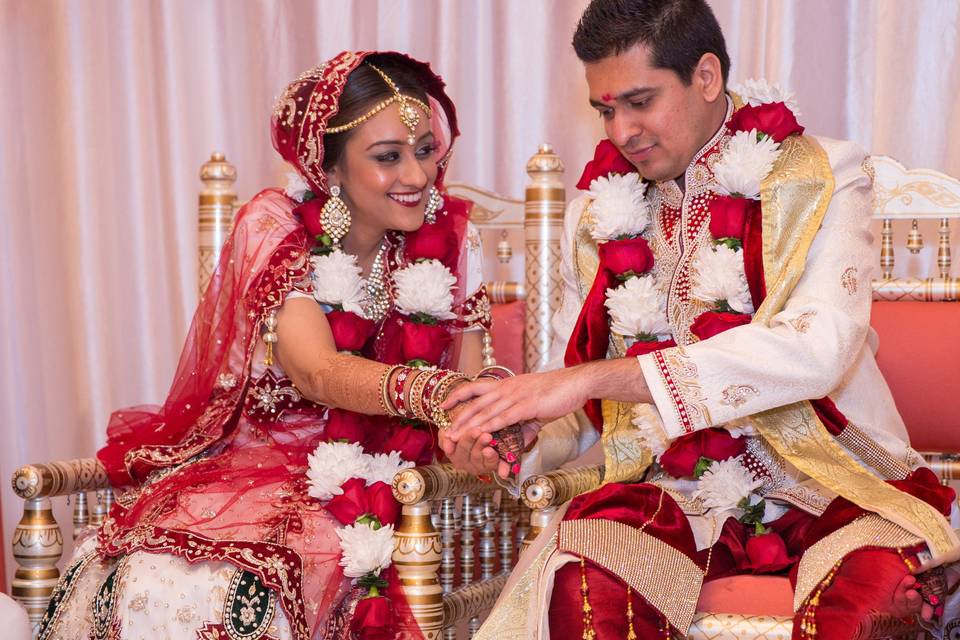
[
  {"x": 434, "y": 202},
  {"x": 335, "y": 216}
]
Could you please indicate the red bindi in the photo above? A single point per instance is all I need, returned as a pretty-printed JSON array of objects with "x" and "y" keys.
[{"x": 606, "y": 97}]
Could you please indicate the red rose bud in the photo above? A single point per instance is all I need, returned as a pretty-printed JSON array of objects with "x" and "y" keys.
[
  {"x": 767, "y": 553},
  {"x": 351, "y": 504},
  {"x": 680, "y": 460},
  {"x": 372, "y": 619},
  {"x": 414, "y": 445},
  {"x": 381, "y": 503},
  {"x": 432, "y": 242},
  {"x": 309, "y": 215},
  {"x": 624, "y": 256},
  {"x": 424, "y": 341},
  {"x": 350, "y": 331},
  {"x": 728, "y": 216},
  {"x": 710, "y": 323},
  {"x": 773, "y": 119},
  {"x": 343, "y": 425},
  {"x": 607, "y": 159},
  {"x": 641, "y": 348}
]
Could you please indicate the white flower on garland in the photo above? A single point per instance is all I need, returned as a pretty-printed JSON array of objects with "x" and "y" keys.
[
  {"x": 724, "y": 484},
  {"x": 336, "y": 280},
  {"x": 719, "y": 277},
  {"x": 381, "y": 467},
  {"x": 758, "y": 91},
  {"x": 296, "y": 187},
  {"x": 741, "y": 428},
  {"x": 331, "y": 464},
  {"x": 619, "y": 207},
  {"x": 365, "y": 549},
  {"x": 649, "y": 426},
  {"x": 637, "y": 308},
  {"x": 744, "y": 164},
  {"x": 426, "y": 288}
]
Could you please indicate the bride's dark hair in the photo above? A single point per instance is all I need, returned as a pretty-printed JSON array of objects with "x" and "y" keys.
[{"x": 364, "y": 89}]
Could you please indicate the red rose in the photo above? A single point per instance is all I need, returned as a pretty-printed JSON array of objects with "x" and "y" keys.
[
  {"x": 773, "y": 119},
  {"x": 424, "y": 341},
  {"x": 607, "y": 159},
  {"x": 357, "y": 499},
  {"x": 710, "y": 323},
  {"x": 923, "y": 483},
  {"x": 715, "y": 443},
  {"x": 643, "y": 348},
  {"x": 620, "y": 256},
  {"x": 767, "y": 553},
  {"x": 343, "y": 425},
  {"x": 414, "y": 445},
  {"x": 432, "y": 242},
  {"x": 309, "y": 215},
  {"x": 372, "y": 619},
  {"x": 728, "y": 216},
  {"x": 350, "y": 331}
]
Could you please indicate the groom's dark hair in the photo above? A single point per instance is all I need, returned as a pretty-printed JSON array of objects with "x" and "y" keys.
[{"x": 677, "y": 33}]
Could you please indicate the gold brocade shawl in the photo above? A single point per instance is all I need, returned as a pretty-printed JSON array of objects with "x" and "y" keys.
[{"x": 794, "y": 197}]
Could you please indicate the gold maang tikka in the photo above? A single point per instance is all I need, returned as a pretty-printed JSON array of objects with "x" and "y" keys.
[{"x": 409, "y": 115}]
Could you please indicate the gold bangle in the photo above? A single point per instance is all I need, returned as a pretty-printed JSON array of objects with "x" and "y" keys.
[
  {"x": 386, "y": 405},
  {"x": 416, "y": 392},
  {"x": 440, "y": 416}
]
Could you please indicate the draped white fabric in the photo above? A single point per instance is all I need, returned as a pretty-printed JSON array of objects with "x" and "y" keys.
[{"x": 109, "y": 107}]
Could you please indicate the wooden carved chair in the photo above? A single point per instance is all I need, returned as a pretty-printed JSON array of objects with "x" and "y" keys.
[
  {"x": 918, "y": 321},
  {"x": 458, "y": 537}
]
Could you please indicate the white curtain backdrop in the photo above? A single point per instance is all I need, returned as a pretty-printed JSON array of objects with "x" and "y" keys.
[{"x": 108, "y": 108}]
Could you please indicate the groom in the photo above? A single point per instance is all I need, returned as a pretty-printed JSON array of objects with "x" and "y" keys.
[{"x": 714, "y": 331}]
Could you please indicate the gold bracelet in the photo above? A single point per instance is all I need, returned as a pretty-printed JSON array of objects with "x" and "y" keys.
[
  {"x": 416, "y": 393},
  {"x": 439, "y": 415},
  {"x": 386, "y": 405}
]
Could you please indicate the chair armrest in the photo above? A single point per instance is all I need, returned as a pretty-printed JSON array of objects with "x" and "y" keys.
[
  {"x": 945, "y": 465},
  {"x": 419, "y": 484},
  {"x": 472, "y": 600},
  {"x": 59, "y": 478},
  {"x": 556, "y": 487}
]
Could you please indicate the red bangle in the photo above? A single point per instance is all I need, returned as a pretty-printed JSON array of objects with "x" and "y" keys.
[
  {"x": 399, "y": 402},
  {"x": 432, "y": 382}
]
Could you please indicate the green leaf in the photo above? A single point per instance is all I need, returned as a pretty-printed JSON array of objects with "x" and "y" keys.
[
  {"x": 759, "y": 529},
  {"x": 703, "y": 464},
  {"x": 646, "y": 337},
  {"x": 731, "y": 243},
  {"x": 373, "y": 583},
  {"x": 419, "y": 363},
  {"x": 423, "y": 318},
  {"x": 752, "y": 513},
  {"x": 308, "y": 195},
  {"x": 722, "y": 306},
  {"x": 369, "y": 519}
]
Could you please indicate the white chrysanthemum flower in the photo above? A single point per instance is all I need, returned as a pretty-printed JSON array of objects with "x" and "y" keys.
[
  {"x": 744, "y": 164},
  {"x": 758, "y": 91},
  {"x": 331, "y": 464},
  {"x": 426, "y": 287},
  {"x": 725, "y": 484},
  {"x": 296, "y": 187},
  {"x": 651, "y": 433},
  {"x": 336, "y": 280},
  {"x": 365, "y": 549},
  {"x": 718, "y": 276},
  {"x": 381, "y": 467},
  {"x": 637, "y": 308},
  {"x": 618, "y": 207}
]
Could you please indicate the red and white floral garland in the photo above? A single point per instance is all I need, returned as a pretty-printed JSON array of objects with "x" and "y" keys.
[{"x": 354, "y": 485}]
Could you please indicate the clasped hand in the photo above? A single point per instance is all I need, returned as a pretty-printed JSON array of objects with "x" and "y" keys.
[{"x": 480, "y": 408}]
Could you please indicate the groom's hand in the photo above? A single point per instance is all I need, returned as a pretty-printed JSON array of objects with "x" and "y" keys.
[
  {"x": 495, "y": 404},
  {"x": 476, "y": 454}
]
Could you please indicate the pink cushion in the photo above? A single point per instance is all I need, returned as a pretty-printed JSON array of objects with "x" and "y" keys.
[
  {"x": 919, "y": 356},
  {"x": 748, "y": 595},
  {"x": 508, "y": 334}
]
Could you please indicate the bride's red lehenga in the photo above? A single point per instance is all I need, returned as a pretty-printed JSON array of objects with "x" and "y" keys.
[{"x": 217, "y": 475}]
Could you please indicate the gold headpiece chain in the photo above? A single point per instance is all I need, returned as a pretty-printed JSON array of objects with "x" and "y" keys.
[{"x": 409, "y": 116}]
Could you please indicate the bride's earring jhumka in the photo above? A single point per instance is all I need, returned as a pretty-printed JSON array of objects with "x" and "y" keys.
[
  {"x": 335, "y": 217},
  {"x": 434, "y": 202}
]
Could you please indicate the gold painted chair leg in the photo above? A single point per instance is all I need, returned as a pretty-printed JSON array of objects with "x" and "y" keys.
[
  {"x": 416, "y": 555},
  {"x": 37, "y": 547}
]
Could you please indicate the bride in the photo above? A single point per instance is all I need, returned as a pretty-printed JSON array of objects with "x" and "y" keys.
[{"x": 256, "y": 502}]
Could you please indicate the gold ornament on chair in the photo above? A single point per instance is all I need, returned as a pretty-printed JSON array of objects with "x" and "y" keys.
[{"x": 335, "y": 217}]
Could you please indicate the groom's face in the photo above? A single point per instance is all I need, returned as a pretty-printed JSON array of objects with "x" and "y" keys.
[{"x": 656, "y": 121}]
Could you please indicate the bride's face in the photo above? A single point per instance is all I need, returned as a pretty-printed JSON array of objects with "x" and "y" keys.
[{"x": 384, "y": 179}]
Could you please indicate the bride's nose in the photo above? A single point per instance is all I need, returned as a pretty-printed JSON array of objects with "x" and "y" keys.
[{"x": 412, "y": 174}]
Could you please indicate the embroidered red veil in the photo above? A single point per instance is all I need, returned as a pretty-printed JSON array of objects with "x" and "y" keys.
[{"x": 155, "y": 455}]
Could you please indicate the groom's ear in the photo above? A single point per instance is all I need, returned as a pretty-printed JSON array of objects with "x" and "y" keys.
[{"x": 708, "y": 77}]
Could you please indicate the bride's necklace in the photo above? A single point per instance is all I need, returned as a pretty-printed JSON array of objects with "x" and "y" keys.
[{"x": 376, "y": 301}]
